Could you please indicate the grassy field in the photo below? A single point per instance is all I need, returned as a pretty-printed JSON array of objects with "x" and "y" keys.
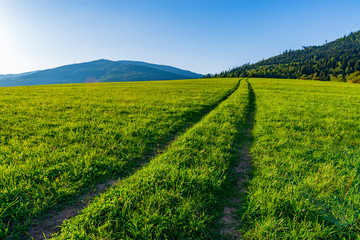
[
  {"x": 175, "y": 195},
  {"x": 58, "y": 141},
  {"x": 306, "y": 160}
]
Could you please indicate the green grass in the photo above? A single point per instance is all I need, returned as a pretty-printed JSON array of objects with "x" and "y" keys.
[
  {"x": 58, "y": 141},
  {"x": 175, "y": 195},
  {"x": 306, "y": 159}
]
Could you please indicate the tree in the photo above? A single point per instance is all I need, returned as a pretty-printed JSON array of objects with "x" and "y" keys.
[{"x": 354, "y": 77}]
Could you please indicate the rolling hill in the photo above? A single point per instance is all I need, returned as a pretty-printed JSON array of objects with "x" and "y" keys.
[
  {"x": 8, "y": 76},
  {"x": 99, "y": 71},
  {"x": 334, "y": 61}
]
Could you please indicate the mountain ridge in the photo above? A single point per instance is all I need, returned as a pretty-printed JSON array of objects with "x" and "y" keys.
[{"x": 101, "y": 70}]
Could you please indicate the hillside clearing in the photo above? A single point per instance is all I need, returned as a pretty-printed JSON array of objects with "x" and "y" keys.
[{"x": 198, "y": 139}]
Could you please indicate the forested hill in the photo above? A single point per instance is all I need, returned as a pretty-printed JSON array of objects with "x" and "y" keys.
[{"x": 332, "y": 61}]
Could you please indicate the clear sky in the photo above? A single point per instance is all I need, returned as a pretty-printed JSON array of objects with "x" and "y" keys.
[{"x": 203, "y": 36}]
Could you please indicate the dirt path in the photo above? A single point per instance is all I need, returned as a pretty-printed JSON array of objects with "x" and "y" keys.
[{"x": 229, "y": 221}]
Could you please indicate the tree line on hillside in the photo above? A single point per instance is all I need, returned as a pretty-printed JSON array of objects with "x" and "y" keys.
[{"x": 335, "y": 61}]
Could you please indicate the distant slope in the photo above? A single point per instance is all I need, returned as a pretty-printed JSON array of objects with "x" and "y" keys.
[
  {"x": 127, "y": 73},
  {"x": 8, "y": 76},
  {"x": 170, "y": 69},
  {"x": 332, "y": 61},
  {"x": 102, "y": 71}
]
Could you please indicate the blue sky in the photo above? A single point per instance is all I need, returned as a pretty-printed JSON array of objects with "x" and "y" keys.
[{"x": 197, "y": 35}]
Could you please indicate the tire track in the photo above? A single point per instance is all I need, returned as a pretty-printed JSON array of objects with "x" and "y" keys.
[{"x": 241, "y": 171}]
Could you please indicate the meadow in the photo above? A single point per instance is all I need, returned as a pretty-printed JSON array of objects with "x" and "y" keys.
[
  {"x": 59, "y": 141},
  {"x": 306, "y": 161},
  {"x": 176, "y": 148},
  {"x": 174, "y": 196}
]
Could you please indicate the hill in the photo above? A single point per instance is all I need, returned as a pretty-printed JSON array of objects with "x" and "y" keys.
[
  {"x": 333, "y": 61},
  {"x": 7, "y": 76},
  {"x": 99, "y": 71}
]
